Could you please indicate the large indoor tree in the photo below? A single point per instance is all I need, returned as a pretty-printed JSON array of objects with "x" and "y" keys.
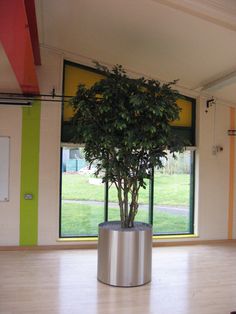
[{"x": 124, "y": 124}]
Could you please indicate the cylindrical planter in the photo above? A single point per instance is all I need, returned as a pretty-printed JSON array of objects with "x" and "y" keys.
[{"x": 124, "y": 255}]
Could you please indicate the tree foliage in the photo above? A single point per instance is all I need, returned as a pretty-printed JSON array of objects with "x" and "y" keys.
[{"x": 124, "y": 124}]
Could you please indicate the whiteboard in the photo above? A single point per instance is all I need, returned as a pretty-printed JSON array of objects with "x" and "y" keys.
[{"x": 4, "y": 168}]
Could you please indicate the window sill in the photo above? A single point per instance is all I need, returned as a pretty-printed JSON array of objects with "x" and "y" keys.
[
  {"x": 89, "y": 239},
  {"x": 176, "y": 236},
  {"x": 94, "y": 239}
]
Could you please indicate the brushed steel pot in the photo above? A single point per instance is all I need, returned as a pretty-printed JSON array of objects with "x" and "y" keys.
[{"x": 124, "y": 255}]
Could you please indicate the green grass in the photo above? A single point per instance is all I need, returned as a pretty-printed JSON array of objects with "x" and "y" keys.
[
  {"x": 169, "y": 189},
  {"x": 80, "y": 219}
]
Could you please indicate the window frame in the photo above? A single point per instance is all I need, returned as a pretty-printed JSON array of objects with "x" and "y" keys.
[
  {"x": 191, "y": 131},
  {"x": 192, "y": 149}
]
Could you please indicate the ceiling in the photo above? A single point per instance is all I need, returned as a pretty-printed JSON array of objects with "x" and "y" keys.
[{"x": 190, "y": 40}]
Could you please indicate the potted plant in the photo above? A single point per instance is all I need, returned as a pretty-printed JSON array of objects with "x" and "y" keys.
[{"x": 124, "y": 124}]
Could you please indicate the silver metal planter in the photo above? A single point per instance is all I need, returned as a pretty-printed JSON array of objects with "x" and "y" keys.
[{"x": 124, "y": 255}]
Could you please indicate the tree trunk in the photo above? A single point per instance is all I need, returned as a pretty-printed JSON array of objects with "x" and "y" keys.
[
  {"x": 133, "y": 205},
  {"x": 126, "y": 204},
  {"x": 121, "y": 203}
]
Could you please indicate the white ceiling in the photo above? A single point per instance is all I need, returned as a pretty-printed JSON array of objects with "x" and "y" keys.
[{"x": 190, "y": 40}]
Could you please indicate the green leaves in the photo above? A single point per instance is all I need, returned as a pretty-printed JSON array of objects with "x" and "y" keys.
[{"x": 125, "y": 126}]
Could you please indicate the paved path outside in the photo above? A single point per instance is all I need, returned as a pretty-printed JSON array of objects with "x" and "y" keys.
[{"x": 181, "y": 210}]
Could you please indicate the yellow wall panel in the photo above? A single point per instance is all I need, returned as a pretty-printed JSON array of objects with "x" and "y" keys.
[
  {"x": 72, "y": 78},
  {"x": 185, "y": 114},
  {"x": 74, "y": 75}
]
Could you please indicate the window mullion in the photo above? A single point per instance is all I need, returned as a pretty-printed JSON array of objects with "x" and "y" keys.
[{"x": 151, "y": 195}]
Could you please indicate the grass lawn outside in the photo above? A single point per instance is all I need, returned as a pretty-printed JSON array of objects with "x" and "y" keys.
[
  {"x": 169, "y": 189},
  {"x": 82, "y": 219}
]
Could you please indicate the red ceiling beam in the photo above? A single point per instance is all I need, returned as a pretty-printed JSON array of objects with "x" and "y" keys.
[
  {"x": 32, "y": 21},
  {"x": 16, "y": 40}
]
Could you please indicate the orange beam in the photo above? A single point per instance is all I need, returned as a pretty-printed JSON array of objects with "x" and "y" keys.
[
  {"x": 231, "y": 174},
  {"x": 16, "y": 41}
]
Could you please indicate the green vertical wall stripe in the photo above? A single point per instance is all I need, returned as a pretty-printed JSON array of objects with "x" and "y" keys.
[{"x": 29, "y": 174}]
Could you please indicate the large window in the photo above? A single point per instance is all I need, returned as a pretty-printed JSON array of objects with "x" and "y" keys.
[
  {"x": 86, "y": 201},
  {"x": 167, "y": 202}
]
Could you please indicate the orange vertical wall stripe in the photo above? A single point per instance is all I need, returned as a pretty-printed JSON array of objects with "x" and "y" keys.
[{"x": 231, "y": 174}]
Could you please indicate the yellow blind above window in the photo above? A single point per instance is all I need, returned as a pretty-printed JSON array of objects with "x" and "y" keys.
[{"x": 75, "y": 75}]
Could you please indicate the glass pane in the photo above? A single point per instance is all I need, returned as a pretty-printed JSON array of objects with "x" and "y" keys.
[
  {"x": 172, "y": 187},
  {"x": 82, "y": 203},
  {"x": 143, "y": 209}
]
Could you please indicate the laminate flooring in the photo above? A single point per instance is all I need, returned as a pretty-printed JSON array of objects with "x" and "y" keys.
[{"x": 199, "y": 279}]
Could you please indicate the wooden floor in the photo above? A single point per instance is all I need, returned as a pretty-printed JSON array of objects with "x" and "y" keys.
[{"x": 186, "y": 280}]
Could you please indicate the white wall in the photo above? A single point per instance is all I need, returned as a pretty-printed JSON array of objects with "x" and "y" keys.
[
  {"x": 212, "y": 171},
  {"x": 10, "y": 125}
]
